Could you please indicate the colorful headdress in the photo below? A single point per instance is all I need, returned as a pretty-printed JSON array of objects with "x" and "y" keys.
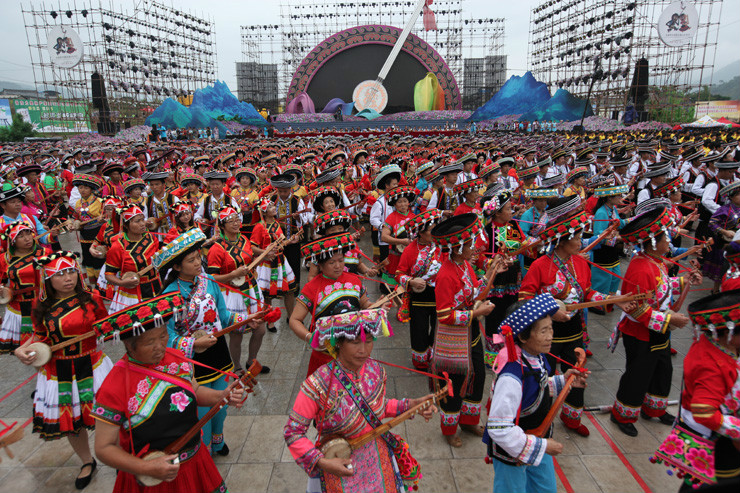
[
  {"x": 399, "y": 192},
  {"x": 318, "y": 196},
  {"x": 226, "y": 213},
  {"x": 263, "y": 204},
  {"x": 541, "y": 193},
  {"x": 216, "y": 175},
  {"x": 326, "y": 220},
  {"x": 112, "y": 201},
  {"x": 612, "y": 191},
  {"x": 186, "y": 178},
  {"x": 418, "y": 223},
  {"x": 50, "y": 265},
  {"x": 576, "y": 173},
  {"x": 658, "y": 169},
  {"x": 495, "y": 201},
  {"x": 136, "y": 319},
  {"x": 553, "y": 181},
  {"x": 488, "y": 169},
  {"x": 456, "y": 231},
  {"x": 111, "y": 167},
  {"x": 467, "y": 186},
  {"x": 730, "y": 189},
  {"x": 183, "y": 206},
  {"x": 129, "y": 212},
  {"x": 647, "y": 226},
  {"x": 245, "y": 171},
  {"x": 530, "y": 172},
  {"x": 566, "y": 225},
  {"x": 329, "y": 174},
  {"x": 285, "y": 180},
  {"x": 170, "y": 253},
  {"x": 424, "y": 167},
  {"x": 539, "y": 307},
  {"x": 388, "y": 172},
  {"x": 323, "y": 248},
  {"x": 669, "y": 187},
  {"x": 133, "y": 183},
  {"x": 92, "y": 181},
  {"x": 12, "y": 231},
  {"x": 349, "y": 325},
  {"x": 716, "y": 312},
  {"x": 26, "y": 168}
]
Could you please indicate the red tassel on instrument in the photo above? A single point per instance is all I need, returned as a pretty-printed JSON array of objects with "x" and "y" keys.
[
  {"x": 273, "y": 315},
  {"x": 509, "y": 342}
]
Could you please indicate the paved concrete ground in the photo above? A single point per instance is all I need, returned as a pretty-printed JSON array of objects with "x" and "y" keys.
[{"x": 260, "y": 462}]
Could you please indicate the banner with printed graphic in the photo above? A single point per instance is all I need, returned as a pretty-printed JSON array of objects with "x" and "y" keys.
[
  {"x": 678, "y": 23},
  {"x": 53, "y": 116},
  {"x": 6, "y": 119}
]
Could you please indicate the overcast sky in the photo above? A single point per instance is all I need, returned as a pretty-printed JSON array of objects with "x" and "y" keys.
[{"x": 230, "y": 14}]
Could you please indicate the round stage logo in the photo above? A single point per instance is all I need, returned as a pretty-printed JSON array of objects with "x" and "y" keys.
[
  {"x": 65, "y": 47},
  {"x": 370, "y": 94},
  {"x": 678, "y": 23}
]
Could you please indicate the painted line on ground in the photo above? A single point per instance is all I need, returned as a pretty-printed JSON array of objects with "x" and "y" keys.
[{"x": 619, "y": 454}]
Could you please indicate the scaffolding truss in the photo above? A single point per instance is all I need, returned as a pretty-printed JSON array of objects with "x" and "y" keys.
[
  {"x": 569, "y": 37},
  {"x": 303, "y": 25},
  {"x": 143, "y": 55}
]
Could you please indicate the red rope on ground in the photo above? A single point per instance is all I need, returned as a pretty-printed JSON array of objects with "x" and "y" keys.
[{"x": 18, "y": 387}]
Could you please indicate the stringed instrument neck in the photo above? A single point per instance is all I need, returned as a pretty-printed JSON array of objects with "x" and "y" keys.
[
  {"x": 408, "y": 414},
  {"x": 247, "y": 381}
]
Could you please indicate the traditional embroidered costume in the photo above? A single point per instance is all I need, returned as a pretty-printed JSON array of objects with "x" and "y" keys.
[
  {"x": 458, "y": 348},
  {"x": 67, "y": 384}
]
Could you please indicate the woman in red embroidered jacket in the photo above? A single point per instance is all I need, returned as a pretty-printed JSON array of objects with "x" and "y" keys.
[
  {"x": 710, "y": 402},
  {"x": 131, "y": 251},
  {"x": 148, "y": 401},
  {"x": 646, "y": 381},
  {"x": 417, "y": 272},
  {"x": 393, "y": 232},
  {"x": 228, "y": 259},
  {"x": 567, "y": 276},
  {"x": 21, "y": 281},
  {"x": 66, "y": 385},
  {"x": 458, "y": 348}
]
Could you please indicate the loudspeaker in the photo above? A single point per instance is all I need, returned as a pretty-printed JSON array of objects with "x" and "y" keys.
[{"x": 100, "y": 103}]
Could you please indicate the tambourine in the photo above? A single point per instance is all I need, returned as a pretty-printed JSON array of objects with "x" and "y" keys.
[
  {"x": 336, "y": 448},
  {"x": 238, "y": 281},
  {"x": 130, "y": 275},
  {"x": 4, "y": 296},
  {"x": 42, "y": 352}
]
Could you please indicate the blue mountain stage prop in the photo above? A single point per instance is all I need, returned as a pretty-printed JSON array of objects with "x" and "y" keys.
[
  {"x": 209, "y": 104},
  {"x": 518, "y": 95},
  {"x": 218, "y": 101},
  {"x": 563, "y": 106}
]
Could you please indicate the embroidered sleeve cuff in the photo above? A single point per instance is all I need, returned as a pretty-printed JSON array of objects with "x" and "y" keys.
[
  {"x": 595, "y": 296},
  {"x": 730, "y": 427},
  {"x": 403, "y": 279},
  {"x": 533, "y": 451},
  {"x": 556, "y": 384},
  {"x": 677, "y": 285},
  {"x": 659, "y": 321}
]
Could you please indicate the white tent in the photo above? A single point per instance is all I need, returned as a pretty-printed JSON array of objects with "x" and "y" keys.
[{"x": 704, "y": 122}]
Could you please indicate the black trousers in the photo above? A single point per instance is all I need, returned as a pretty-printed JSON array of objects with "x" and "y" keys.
[
  {"x": 647, "y": 371},
  {"x": 293, "y": 256},
  {"x": 422, "y": 321}
]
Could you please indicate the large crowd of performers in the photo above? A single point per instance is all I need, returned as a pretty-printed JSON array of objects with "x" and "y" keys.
[{"x": 498, "y": 249}]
